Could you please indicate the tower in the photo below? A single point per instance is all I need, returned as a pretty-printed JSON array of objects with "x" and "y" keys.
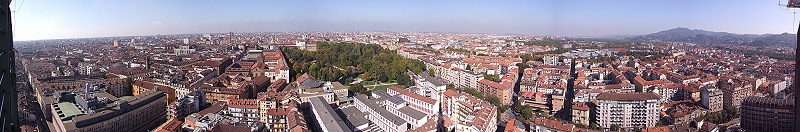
[
  {"x": 230, "y": 37},
  {"x": 116, "y": 43}
]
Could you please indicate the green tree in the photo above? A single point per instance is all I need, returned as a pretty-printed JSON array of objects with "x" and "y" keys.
[
  {"x": 403, "y": 79},
  {"x": 493, "y": 100},
  {"x": 615, "y": 127},
  {"x": 473, "y": 92},
  {"x": 358, "y": 88},
  {"x": 493, "y": 78}
]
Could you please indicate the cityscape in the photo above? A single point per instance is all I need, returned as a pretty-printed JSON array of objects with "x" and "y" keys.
[{"x": 235, "y": 80}]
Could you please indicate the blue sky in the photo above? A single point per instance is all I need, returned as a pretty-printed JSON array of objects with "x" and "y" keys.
[{"x": 56, "y": 19}]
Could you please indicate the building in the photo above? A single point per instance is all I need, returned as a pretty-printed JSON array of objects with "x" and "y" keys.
[
  {"x": 326, "y": 118},
  {"x": 172, "y": 125},
  {"x": 767, "y": 114},
  {"x": 550, "y": 59},
  {"x": 139, "y": 87},
  {"x": 627, "y": 110},
  {"x": 711, "y": 99},
  {"x": 582, "y": 113},
  {"x": 416, "y": 101},
  {"x": 92, "y": 110},
  {"x": 285, "y": 119},
  {"x": 244, "y": 110},
  {"x": 734, "y": 91},
  {"x": 536, "y": 100},
  {"x": 380, "y": 116},
  {"x": 500, "y": 90},
  {"x": 217, "y": 118},
  {"x": 308, "y": 88},
  {"x": 515, "y": 126},
  {"x": 184, "y": 50},
  {"x": 185, "y": 105},
  {"x": 468, "y": 113},
  {"x": 541, "y": 124},
  {"x": 356, "y": 119}
]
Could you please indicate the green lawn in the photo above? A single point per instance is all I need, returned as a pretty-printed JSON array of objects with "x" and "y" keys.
[
  {"x": 367, "y": 83},
  {"x": 383, "y": 88}
]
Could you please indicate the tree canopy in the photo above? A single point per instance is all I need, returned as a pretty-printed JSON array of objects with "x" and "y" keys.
[{"x": 332, "y": 61}]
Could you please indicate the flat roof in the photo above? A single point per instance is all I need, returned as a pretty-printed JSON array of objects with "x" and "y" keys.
[
  {"x": 327, "y": 116},
  {"x": 358, "y": 120},
  {"x": 69, "y": 110},
  {"x": 416, "y": 114},
  {"x": 381, "y": 111}
]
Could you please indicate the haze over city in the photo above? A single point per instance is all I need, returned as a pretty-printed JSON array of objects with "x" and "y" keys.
[
  {"x": 55, "y": 19},
  {"x": 397, "y": 66}
]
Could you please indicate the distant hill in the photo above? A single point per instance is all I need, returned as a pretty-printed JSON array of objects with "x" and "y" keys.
[{"x": 709, "y": 37}]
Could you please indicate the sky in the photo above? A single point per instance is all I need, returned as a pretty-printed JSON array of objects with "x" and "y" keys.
[{"x": 59, "y": 19}]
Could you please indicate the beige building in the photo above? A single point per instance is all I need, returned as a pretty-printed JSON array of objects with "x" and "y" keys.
[
  {"x": 581, "y": 113},
  {"x": 712, "y": 99}
]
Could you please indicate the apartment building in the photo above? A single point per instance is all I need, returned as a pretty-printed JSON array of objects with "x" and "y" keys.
[{"x": 627, "y": 110}]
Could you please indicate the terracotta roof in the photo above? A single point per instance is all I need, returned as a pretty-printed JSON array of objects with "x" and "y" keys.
[
  {"x": 243, "y": 103},
  {"x": 450, "y": 93},
  {"x": 493, "y": 84},
  {"x": 656, "y": 129},
  {"x": 216, "y": 107},
  {"x": 170, "y": 126},
  {"x": 627, "y": 96},
  {"x": 580, "y": 106},
  {"x": 553, "y": 124},
  {"x": 691, "y": 89}
]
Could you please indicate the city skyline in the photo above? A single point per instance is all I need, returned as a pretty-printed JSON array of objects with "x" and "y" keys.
[{"x": 37, "y": 20}]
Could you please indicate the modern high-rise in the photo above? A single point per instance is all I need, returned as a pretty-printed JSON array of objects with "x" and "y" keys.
[
  {"x": 627, "y": 110},
  {"x": 767, "y": 114}
]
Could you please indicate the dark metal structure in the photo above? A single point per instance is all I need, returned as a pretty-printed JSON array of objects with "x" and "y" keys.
[
  {"x": 796, "y": 4},
  {"x": 8, "y": 88}
]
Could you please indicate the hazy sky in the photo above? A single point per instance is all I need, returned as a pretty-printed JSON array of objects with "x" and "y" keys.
[{"x": 54, "y": 19}]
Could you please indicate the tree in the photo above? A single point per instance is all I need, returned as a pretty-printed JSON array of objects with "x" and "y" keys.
[
  {"x": 409, "y": 84},
  {"x": 525, "y": 111},
  {"x": 503, "y": 108},
  {"x": 473, "y": 92},
  {"x": 493, "y": 78},
  {"x": 366, "y": 76},
  {"x": 451, "y": 86},
  {"x": 615, "y": 127},
  {"x": 358, "y": 88},
  {"x": 403, "y": 80},
  {"x": 493, "y": 100},
  {"x": 430, "y": 73}
]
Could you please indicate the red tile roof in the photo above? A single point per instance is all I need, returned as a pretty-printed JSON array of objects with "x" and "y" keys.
[
  {"x": 170, "y": 126},
  {"x": 627, "y": 96},
  {"x": 413, "y": 95},
  {"x": 243, "y": 103},
  {"x": 580, "y": 106}
]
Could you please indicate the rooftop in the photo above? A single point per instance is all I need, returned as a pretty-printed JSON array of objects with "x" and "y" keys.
[
  {"x": 627, "y": 96},
  {"x": 331, "y": 121}
]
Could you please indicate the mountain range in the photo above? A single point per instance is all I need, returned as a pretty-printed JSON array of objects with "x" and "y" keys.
[{"x": 709, "y": 37}]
